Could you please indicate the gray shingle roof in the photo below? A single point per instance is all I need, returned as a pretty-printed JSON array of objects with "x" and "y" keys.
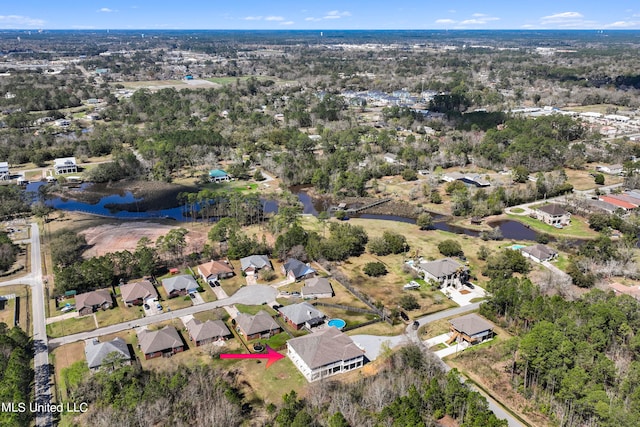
[
  {"x": 553, "y": 209},
  {"x": 257, "y": 324},
  {"x": 471, "y": 324},
  {"x": 96, "y": 352},
  {"x": 210, "y": 329},
  {"x": 441, "y": 268},
  {"x": 298, "y": 268},
  {"x": 316, "y": 285},
  {"x": 163, "y": 339},
  {"x": 91, "y": 299},
  {"x": 325, "y": 347},
  {"x": 301, "y": 312},
  {"x": 255, "y": 261},
  {"x": 539, "y": 251},
  {"x": 179, "y": 283},
  {"x": 138, "y": 290}
]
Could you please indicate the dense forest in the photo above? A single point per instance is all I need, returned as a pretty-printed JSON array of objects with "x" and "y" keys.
[
  {"x": 16, "y": 374},
  {"x": 576, "y": 360},
  {"x": 410, "y": 389}
]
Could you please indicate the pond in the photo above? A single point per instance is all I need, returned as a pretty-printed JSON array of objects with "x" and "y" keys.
[{"x": 107, "y": 206}]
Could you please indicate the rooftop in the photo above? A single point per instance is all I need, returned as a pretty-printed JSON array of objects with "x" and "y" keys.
[
  {"x": 325, "y": 347},
  {"x": 163, "y": 339},
  {"x": 96, "y": 352},
  {"x": 471, "y": 324}
]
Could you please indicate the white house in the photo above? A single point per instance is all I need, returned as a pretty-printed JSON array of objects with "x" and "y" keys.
[
  {"x": 65, "y": 165},
  {"x": 4, "y": 171},
  {"x": 324, "y": 353}
]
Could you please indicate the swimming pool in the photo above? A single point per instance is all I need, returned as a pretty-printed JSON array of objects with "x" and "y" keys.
[
  {"x": 337, "y": 323},
  {"x": 517, "y": 247}
]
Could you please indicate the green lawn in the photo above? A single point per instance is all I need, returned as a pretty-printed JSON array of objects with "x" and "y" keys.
[
  {"x": 253, "y": 309},
  {"x": 231, "y": 80},
  {"x": 71, "y": 326},
  {"x": 275, "y": 341},
  {"x": 577, "y": 228},
  {"x": 118, "y": 315},
  {"x": 241, "y": 186}
]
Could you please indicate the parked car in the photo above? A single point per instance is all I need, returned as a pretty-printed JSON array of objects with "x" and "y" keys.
[
  {"x": 404, "y": 316},
  {"x": 415, "y": 325},
  {"x": 159, "y": 307},
  {"x": 147, "y": 307},
  {"x": 68, "y": 308}
]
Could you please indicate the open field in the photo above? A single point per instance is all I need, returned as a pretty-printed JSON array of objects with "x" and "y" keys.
[
  {"x": 63, "y": 357},
  {"x": 270, "y": 384},
  {"x": 71, "y": 326},
  {"x": 6, "y": 315},
  {"x": 581, "y": 180},
  {"x": 577, "y": 228}
]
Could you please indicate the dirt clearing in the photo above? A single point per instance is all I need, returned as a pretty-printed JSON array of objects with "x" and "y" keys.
[{"x": 108, "y": 238}]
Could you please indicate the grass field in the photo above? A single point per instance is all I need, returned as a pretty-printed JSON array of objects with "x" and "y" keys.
[
  {"x": 581, "y": 180},
  {"x": 7, "y": 315},
  {"x": 62, "y": 358},
  {"x": 71, "y": 326},
  {"x": 578, "y": 227}
]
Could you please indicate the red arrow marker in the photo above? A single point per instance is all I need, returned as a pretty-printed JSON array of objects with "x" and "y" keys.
[{"x": 272, "y": 356}]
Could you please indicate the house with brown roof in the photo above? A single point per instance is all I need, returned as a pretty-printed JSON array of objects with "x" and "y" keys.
[
  {"x": 215, "y": 270},
  {"x": 261, "y": 325},
  {"x": 164, "y": 342},
  {"x": 317, "y": 287},
  {"x": 91, "y": 302},
  {"x": 553, "y": 214},
  {"x": 324, "y": 353},
  {"x": 471, "y": 329},
  {"x": 137, "y": 293},
  {"x": 207, "y": 332}
]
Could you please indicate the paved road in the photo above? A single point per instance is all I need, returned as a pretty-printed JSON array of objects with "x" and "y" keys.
[
  {"x": 41, "y": 358},
  {"x": 250, "y": 295}
]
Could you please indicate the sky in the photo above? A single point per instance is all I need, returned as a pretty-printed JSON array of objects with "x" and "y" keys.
[{"x": 320, "y": 15}]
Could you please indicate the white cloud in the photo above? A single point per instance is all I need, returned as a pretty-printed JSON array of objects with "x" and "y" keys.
[
  {"x": 479, "y": 19},
  {"x": 106, "y": 10},
  {"x": 274, "y": 18},
  {"x": 563, "y": 16},
  {"x": 19, "y": 21},
  {"x": 445, "y": 21},
  {"x": 252, "y": 18},
  {"x": 472, "y": 22},
  {"x": 336, "y": 14},
  {"x": 479, "y": 15},
  {"x": 622, "y": 24},
  {"x": 310, "y": 18},
  {"x": 287, "y": 23}
]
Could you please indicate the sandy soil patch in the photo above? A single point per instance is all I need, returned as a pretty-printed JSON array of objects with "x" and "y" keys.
[{"x": 125, "y": 236}]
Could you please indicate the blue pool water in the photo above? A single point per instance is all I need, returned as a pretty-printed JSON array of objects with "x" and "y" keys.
[{"x": 337, "y": 323}]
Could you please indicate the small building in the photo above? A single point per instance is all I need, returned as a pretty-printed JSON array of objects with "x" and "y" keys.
[
  {"x": 302, "y": 315},
  {"x": 260, "y": 325},
  {"x": 324, "y": 353},
  {"x": 471, "y": 329},
  {"x": 215, "y": 270},
  {"x": 180, "y": 285},
  {"x": 255, "y": 263},
  {"x": 317, "y": 287},
  {"x": 297, "y": 270},
  {"x": 90, "y": 302},
  {"x": 618, "y": 203},
  {"x": 207, "y": 332},
  {"x": 164, "y": 342},
  {"x": 65, "y": 165},
  {"x": 610, "y": 169},
  {"x": 106, "y": 354},
  {"x": 390, "y": 158},
  {"x": 553, "y": 214},
  {"x": 218, "y": 175},
  {"x": 445, "y": 271},
  {"x": 539, "y": 253},
  {"x": 4, "y": 171},
  {"x": 137, "y": 293}
]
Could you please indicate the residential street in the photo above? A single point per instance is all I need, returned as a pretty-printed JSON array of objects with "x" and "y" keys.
[{"x": 41, "y": 358}]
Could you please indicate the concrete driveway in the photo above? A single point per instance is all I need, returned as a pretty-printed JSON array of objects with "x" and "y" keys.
[
  {"x": 372, "y": 344},
  {"x": 464, "y": 294},
  {"x": 196, "y": 298}
]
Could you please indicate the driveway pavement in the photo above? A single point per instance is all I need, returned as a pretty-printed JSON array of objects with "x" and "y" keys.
[
  {"x": 464, "y": 294},
  {"x": 373, "y": 344},
  {"x": 197, "y": 298}
]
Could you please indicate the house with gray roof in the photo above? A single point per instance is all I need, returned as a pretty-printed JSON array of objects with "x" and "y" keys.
[
  {"x": 137, "y": 293},
  {"x": 302, "y": 315},
  {"x": 324, "y": 353},
  {"x": 106, "y": 354},
  {"x": 260, "y": 325},
  {"x": 553, "y": 214},
  {"x": 471, "y": 329},
  {"x": 297, "y": 270},
  {"x": 164, "y": 342},
  {"x": 180, "y": 285},
  {"x": 539, "y": 253},
  {"x": 90, "y": 302},
  {"x": 317, "y": 287},
  {"x": 445, "y": 271},
  {"x": 207, "y": 332},
  {"x": 254, "y": 263}
]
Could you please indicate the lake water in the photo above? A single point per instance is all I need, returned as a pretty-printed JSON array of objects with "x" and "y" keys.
[{"x": 107, "y": 206}]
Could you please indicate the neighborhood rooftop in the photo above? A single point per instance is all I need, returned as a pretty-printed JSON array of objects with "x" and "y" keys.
[
  {"x": 325, "y": 347},
  {"x": 154, "y": 341},
  {"x": 96, "y": 352},
  {"x": 471, "y": 324}
]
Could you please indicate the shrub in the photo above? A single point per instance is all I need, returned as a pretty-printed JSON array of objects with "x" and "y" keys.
[
  {"x": 374, "y": 269},
  {"x": 408, "y": 302},
  {"x": 450, "y": 248}
]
